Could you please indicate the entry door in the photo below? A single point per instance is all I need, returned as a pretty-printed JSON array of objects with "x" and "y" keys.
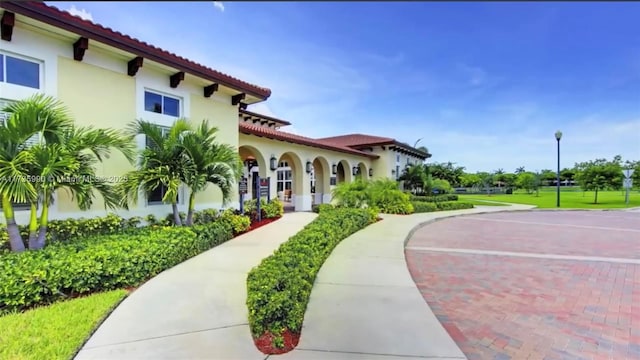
[{"x": 254, "y": 184}]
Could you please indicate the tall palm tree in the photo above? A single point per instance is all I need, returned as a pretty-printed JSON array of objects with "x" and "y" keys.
[
  {"x": 212, "y": 163},
  {"x": 162, "y": 163},
  {"x": 38, "y": 115}
]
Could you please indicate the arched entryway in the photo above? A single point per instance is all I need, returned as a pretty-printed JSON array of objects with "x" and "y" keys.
[
  {"x": 320, "y": 181},
  {"x": 291, "y": 186},
  {"x": 254, "y": 165},
  {"x": 361, "y": 171},
  {"x": 343, "y": 172}
]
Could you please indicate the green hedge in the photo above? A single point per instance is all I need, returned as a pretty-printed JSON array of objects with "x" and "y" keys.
[
  {"x": 279, "y": 288},
  {"x": 80, "y": 228},
  {"x": 100, "y": 263},
  {"x": 435, "y": 198},
  {"x": 64, "y": 230},
  {"x": 423, "y": 206},
  {"x": 321, "y": 207}
]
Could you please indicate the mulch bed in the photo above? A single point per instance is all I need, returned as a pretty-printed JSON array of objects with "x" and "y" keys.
[
  {"x": 263, "y": 222},
  {"x": 265, "y": 343}
]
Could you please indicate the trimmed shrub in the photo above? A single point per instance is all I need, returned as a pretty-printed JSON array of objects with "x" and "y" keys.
[
  {"x": 238, "y": 223},
  {"x": 321, "y": 207},
  {"x": 423, "y": 206},
  {"x": 383, "y": 194},
  {"x": 273, "y": 209},
  {"x": 435, "y": 198},
  {"x": 279, "y": 288},
  {"x": 100, "y": 263},
  {"x": 205, "y": 216},
  {"x": 453, "y": 205}
]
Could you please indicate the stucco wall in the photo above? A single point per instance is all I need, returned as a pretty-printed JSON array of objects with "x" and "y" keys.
[{"x": 100, "y": 98}]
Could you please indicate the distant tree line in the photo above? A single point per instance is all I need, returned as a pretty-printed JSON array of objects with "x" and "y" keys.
[{"x": 594, "y": 175}]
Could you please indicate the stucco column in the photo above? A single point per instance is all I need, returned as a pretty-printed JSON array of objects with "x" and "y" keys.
[
  {"x": 302, "y": 202},
  {"x": 273, "y": 184},
  {"x": 326, "y": 198}
]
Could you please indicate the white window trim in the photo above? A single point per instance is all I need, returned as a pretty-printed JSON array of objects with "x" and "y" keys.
[
  {"x": 163, "y": 94},
  {"x": 39, "y": 62}
]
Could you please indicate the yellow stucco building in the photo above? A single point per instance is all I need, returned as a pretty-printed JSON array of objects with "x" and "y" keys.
[{"x": 108, "y": 79}]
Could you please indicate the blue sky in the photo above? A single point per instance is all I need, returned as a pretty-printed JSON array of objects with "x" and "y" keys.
[{"x": 485, "y": 85}]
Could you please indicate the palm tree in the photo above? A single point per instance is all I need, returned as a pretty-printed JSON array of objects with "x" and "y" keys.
[
  {"x": 71, "y": 165},
  {"x": 414, "y": 177},
  {"x": 212, "y": 163},
  {"x": 38, "y": 115},
  {"x": 162, "y": 164},
  {"x": 520, "y": 170}
]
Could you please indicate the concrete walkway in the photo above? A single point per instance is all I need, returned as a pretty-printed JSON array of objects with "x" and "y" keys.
[
  {"x": 196, "y": 310},
  {"x": 365, "y": 305}
]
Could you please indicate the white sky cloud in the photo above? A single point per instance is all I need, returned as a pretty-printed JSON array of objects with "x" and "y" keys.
[
  {"x": 82, "y": 13},
  {"x": 219, "y": 5}
]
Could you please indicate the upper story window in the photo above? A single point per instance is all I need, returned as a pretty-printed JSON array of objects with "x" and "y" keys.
[
  {"x": 19, "y": 71},
  {"x": 397, "y": 158},
  {"x": 161, "y": 104}
]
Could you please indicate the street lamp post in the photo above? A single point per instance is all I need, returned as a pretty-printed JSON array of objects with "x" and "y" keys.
[{"x": 558, "y": 137}]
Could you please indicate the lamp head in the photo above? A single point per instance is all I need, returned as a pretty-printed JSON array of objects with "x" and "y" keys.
[{"x": 558, "y": 135}]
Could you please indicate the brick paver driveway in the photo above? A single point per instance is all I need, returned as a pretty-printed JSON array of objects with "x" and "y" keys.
[{"x": 535, "y": 284}]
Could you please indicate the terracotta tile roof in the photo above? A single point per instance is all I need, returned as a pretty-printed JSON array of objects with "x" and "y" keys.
[
  {"x": 64, "y": 20},
  {"x": 271, "y": 133},
  {"x": 357, "y": 140}
]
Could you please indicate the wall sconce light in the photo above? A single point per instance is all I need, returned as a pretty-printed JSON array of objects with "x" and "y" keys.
[
  {"x": 334, "y": 169},
  {"x": 393, "y": 171},
  {"x": 355, "y": 170},
  {"x": 309, "y": 167},
  {"x": 273, "y": 163},
  {"x": 370, "y": 172}
]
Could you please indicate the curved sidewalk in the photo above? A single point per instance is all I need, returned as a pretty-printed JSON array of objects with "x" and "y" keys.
[
  {"x": 195, "y": 310},
  {"x": 365, "y": 305}
]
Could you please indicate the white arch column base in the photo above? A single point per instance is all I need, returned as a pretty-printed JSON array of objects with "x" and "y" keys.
[
  {"x": 302, "y": 202},
  {"x": 326, "y": 198}
]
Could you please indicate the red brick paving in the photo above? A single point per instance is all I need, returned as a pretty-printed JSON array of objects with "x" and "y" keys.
[
  {"x": 501, "y": 232},
  {"x": 502, "y": 307}
]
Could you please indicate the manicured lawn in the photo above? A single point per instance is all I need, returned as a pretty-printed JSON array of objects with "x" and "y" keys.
[
  {"x": 55, "y": 331},
  {"x": 568, "y": 199}
]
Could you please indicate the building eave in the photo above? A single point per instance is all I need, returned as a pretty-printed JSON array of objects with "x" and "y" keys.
[{"x": 137, "y": 48}]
